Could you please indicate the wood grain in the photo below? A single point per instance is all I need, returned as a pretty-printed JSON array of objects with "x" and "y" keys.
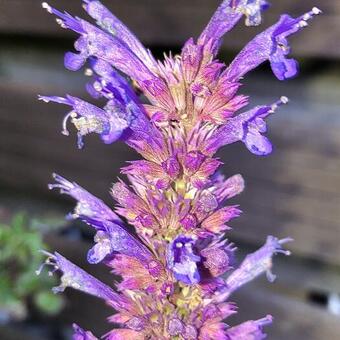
[
  {"x": 292, "y": 319},
  {"x": 172, "y": 22}
]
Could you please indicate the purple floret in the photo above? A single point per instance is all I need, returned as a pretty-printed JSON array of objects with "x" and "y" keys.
[{"x": 183, "y": 261}]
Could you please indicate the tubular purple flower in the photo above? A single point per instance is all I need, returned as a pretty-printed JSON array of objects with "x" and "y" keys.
[
  {"x": 88, "y": 206},
  {"x": 114, "y": 84},
  {"x": 191, "y": 59},
  {"x": 77, "y": 278},
  {"x": 87, "y": 118},
  {"x": 112, "y": 238},
  {"x": 182, "y": 260},
  {"x": 229, "y": 14},
  {"x": 95, "y": 42},
  {"x": 116, "y": 28},
  {"x": 248, "y": 128},
  {"x": 254, "y": 265},
  {"x": 229, "y": 188},
  {"x": 270, "y": 45}
]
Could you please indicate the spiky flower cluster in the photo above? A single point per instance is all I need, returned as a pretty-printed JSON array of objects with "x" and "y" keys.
[{"x": 177, "y": 269}]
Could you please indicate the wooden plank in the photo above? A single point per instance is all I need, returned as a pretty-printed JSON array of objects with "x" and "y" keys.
[
  {"x": 292, "y": 319},
  {"x": 172, "y": 22}
]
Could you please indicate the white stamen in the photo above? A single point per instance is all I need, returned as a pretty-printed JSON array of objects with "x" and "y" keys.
[
  {"x": 97, "y": 86},
  {"x": 306, "y": 16},
  {"x": 284, "y": 100},
  {"x": 316, "y": 11},
  {"x": 309, "y": 15},
  {"x": 39, "y": 270},
  {"x": 88, "y": 72},
  {"x": 72, "y": 114},
  {"x": 86, "y": 125},
  {"x": 44, "y": 99},
  {"x": 303, "y": 23},
  {"x": 46, "y": 6},
  {"x": 75, "y": 285},
  {"x": 60, "y": 22}
]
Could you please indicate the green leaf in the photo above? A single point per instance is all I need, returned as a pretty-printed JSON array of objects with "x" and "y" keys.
[{"x": 48, "y": 302}]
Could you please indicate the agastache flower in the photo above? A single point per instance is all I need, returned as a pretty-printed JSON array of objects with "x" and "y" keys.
[
  {"x": 109, "y": 122},
  {"x": 77, "y": 278},
  {"x": 271, "y": 45},
  {"x": 182, "y": 260},
  {"x": 177, "y": 266},
  {"x": 88, "y": 206}
]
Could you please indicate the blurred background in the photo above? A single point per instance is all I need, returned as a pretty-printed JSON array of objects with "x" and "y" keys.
[{"x": 294, "y": 192}]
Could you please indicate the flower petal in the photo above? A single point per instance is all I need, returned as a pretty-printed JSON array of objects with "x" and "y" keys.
[
  {"x": 95, "y": 42},
  {"x": 228, "y": 15},
  {"x": 254, "y": 265},
  {"x": 80, "y": 334},
  {"x": 114, "y": 26},
  {"x": 182, "y": 260},
  {"x": 111, "y": 238},
  {"x": 270, "y": 45},
  {"x": 251, "y": 330},
  {"x": 88, "y": 206},
  {"x": 87, "y": 118},
  {"x": 246, "y": 127},
  {"x": 77, "y": 278}
]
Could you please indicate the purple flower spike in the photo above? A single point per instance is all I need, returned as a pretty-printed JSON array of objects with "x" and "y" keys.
[
  {"x": 270, "y": 45},
  {"x": 172, "y": 265},
  {"x": 254, "y": 265},
  {"x": 182, "y": 260},
  {"x": 80, "y": 334},
  {"x": 88, "y": 206},
  {"x": 248, "y": 128},
  {"x": 88, "y": 118}
]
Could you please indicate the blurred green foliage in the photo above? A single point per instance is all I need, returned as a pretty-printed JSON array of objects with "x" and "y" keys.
[{"x": 20, "y": 242}]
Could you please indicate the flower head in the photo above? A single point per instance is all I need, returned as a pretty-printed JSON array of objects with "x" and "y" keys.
[{"x": 177, "y": 268}]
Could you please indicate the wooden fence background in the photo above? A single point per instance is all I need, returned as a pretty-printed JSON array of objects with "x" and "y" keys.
[{"x": 295, "y": 191}]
